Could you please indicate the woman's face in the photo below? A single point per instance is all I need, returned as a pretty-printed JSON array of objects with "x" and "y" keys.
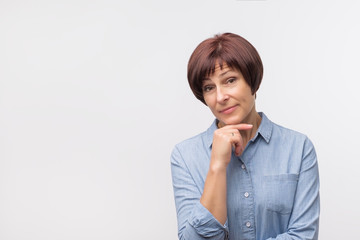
[{"x": 228, "y": 96}]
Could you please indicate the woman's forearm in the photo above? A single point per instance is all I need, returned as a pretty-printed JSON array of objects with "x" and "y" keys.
[{"x": 214, "y": 194}]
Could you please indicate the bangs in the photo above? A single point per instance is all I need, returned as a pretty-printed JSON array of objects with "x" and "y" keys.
[{"x": 208, "y": 67}]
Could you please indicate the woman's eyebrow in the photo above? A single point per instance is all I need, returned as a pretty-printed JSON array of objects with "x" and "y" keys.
[
  {"x": 220, "y": 75},
  {"x": 224, "y": 73},
  {"x": 206, "y": 80}
]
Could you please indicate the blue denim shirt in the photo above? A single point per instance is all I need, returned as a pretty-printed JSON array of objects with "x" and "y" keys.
[{"x": 272, "y": 188}]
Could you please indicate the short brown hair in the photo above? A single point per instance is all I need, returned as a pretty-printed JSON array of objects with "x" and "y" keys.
[{"x": 227, "y": 48}]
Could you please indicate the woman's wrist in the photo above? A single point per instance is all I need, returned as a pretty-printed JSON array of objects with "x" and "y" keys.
[{"x": 217, "y": 166}]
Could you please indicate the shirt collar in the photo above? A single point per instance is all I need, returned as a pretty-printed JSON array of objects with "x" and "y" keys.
[
  {"x": 209, "y": 134},
  {"x": 264, "y": 130}
]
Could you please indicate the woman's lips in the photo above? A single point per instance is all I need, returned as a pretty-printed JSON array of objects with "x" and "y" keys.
[{"x": 228, "y": 110}]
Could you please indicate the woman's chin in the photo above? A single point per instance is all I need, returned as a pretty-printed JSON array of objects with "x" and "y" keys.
[
  {"x": 234, "y": 120},
  {"x": 229, "y": 122}
]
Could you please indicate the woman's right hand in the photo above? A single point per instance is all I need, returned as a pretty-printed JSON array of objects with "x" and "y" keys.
[{"x": 224, "y": 140}]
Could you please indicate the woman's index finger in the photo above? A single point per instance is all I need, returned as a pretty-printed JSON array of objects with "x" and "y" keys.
[{"x": 243, "y": 126}]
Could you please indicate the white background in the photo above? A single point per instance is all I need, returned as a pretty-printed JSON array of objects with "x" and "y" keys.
[{"x": 94, "y": 95}]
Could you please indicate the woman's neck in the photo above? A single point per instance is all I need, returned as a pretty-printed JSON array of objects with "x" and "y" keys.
[{"x": 255, "y": 120}]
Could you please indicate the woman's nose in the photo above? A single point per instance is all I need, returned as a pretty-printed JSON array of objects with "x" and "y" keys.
[{"x": 221, "y": 95}]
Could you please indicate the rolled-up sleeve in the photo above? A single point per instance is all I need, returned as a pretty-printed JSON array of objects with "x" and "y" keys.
[
  {"x": 304, "y": 220},
  {"x": 194, "y": 220}
]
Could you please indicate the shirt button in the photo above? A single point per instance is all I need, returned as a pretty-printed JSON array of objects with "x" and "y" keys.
[
  {"x": 246, "y": 194},
  {"x": 248, "y": 224},
  {"x": 243, "y": 166}
]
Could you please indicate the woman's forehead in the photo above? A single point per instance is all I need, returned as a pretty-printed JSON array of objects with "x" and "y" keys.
[
  {"x": 219, "y": 67},
  {"x": 220, "y": 72}
]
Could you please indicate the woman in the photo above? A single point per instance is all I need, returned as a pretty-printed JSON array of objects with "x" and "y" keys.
[{"x": 244, "y": 177}]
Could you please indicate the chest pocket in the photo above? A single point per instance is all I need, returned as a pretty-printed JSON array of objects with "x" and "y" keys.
[{"x": 280, "y": 192}]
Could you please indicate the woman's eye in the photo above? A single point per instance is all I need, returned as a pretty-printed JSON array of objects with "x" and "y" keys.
[
  {"x": 231, "y": 80},
  {"x": 207, "y": 88}
]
